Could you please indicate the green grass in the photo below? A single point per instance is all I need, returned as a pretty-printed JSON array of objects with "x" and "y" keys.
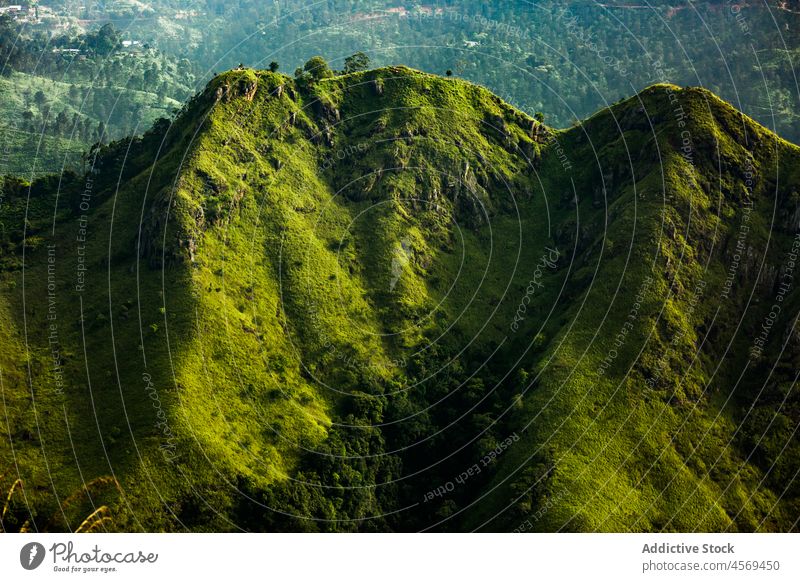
[{"x": 301, "y": 270}]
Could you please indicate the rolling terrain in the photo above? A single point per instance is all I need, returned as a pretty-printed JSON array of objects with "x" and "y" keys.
[{"x": 390, "y": 301}]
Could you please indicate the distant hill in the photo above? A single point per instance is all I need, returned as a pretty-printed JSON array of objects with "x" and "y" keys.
[
  {"x": 61, "y": 94},
  {"x": 567, "y": 59}
]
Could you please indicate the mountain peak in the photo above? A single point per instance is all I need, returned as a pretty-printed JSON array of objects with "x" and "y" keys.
[{"x": 330, "y": 274}]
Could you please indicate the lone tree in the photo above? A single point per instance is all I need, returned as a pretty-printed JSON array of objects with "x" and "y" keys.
[
  {"x": 539, "y": 116},
  {"x": 449, "y": 72},
  {"x": 358, "y": 62},
  {"x": 274, "y": 66},
  {"x": 318, "y": 68},
  {"x": 40, "y": 99},
  {"x": 105, "y": 41}
]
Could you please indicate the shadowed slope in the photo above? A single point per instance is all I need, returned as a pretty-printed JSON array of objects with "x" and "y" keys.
[{"x": 308, "y": 307}]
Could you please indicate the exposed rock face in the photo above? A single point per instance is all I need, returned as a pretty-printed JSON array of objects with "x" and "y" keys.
[
  {"x": 243, "y": 89},
  {"x": 327, "y": 111}
]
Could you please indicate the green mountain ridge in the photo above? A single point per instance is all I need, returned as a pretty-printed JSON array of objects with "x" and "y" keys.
[{"x": 390, "y": 301}]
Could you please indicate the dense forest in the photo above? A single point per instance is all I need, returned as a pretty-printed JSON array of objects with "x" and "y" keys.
[{"x": 569, "y": 59}]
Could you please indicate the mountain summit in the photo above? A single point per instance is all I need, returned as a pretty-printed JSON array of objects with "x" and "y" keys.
[{"x": 391, "y": 301}]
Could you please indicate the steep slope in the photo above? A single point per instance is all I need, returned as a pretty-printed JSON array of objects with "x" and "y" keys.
[
  {"x": 666, "y": 402},
  {"x": 389, "y": 301}
]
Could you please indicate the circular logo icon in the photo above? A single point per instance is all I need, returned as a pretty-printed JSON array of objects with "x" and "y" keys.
[{"x": 31, "y": 555}]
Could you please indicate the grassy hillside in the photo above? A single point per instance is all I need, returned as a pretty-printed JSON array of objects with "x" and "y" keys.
[{"x": 390, "y": 301}]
